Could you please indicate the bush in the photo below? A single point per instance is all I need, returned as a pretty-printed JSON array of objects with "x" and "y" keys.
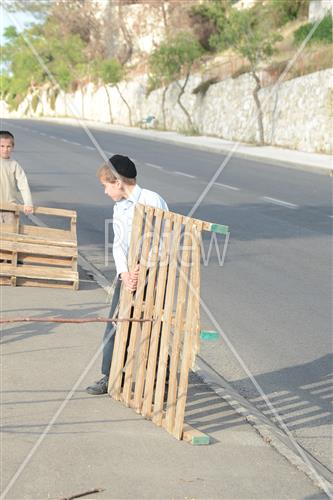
[{"x": 323, "y": 33}]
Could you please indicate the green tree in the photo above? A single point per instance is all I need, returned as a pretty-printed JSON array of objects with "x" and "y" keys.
[
  {"x": 215, "y": 12},
  {"x": 172, "y": 60},
  {"x": 252, "y": 38},
  {"x": 62, "y": 57},
  {"x": 111, "y": 72}
]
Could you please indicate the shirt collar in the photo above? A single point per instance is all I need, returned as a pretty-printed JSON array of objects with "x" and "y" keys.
[
  {"x": 132, "y": 199},
  {"x": 135, "y": 194}
]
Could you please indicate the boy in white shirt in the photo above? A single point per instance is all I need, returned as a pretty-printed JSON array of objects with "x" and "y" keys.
[
  {"x": 12, "y": 179},
  {"x": 119, "y": 180}
]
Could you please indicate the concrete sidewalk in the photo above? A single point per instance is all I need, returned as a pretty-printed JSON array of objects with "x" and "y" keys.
[
  {"x": 95, "y": 442},
  {"x": 312, "y": 162}
]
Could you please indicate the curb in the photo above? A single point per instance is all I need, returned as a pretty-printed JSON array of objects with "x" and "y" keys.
[{"x": 270, "y": 433}]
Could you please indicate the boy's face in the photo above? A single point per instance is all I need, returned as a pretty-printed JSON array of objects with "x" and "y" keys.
[
  {"x": 6, "y": 148},
  {"x": 114, "y": 189}
]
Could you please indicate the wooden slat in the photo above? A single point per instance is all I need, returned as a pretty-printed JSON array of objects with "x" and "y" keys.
[
  {"x": 126, "y": 298},
  {"x": 177, "y": 337},
  {"x": 194, "y": 437},
  {"x": 45, "y": 283},
  {"x": 143, "y": 348},
  {"x": 205, "y": 226},
  {"x": 40, "y": 272},
  {"x": 167, "y": 322},
  {"x": 39, "y": 210},
  {"x": 156, "y": 329},
  {"x": 4, "y": 281},
  {"x": 30, "y": 248},
  {"x": 47, "y": 233},
  {"x": 40, "y": 240},
  {"x": 136, "y": 328},
  {"x": 50, "y": 261},
  {"x": 196, "y": 282},
  {"x": 189, "y": 339}
]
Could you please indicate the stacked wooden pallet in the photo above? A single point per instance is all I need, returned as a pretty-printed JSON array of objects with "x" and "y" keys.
[{"x": 31, "y": 255}]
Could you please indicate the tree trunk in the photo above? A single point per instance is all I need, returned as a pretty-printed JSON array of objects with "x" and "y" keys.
[
  {"x": 259, "y": 109},
  {"x": 127, "y": 37},
  {"x": 109, "y": 103},
  {"x": 163, "y": 105},
  {"x": 182, "y": 90},
  {"x": 126, "y": 103}
]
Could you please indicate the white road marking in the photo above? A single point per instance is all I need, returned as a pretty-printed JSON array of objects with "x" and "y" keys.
[
  {"x": 89, "y": 147},
  {"x": 275, "y": 201},
  {"x": 75, "y": 143},
  {"x": 154, "y": 166},
  {"x": 52, "y": 136},
  {"x": 182, "y": 173},
  {"x": 219, "y": 184},
  {"x": 42, "y": 133},
  {"x": 65, "y": 140}
]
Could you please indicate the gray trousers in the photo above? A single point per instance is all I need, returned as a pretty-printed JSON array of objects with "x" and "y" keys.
[{"x": 110, "y": 331}]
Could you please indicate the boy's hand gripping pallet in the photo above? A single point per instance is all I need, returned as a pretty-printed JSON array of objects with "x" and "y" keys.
[
  {"x": 167, "y": 244},
  {"x": 39, "y": 256}
]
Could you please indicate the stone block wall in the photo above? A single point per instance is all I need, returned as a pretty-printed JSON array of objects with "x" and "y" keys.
[{"x": 297, "y": 113}]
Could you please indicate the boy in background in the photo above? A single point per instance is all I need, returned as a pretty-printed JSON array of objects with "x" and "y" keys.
[{"x": 12, "y": 179}]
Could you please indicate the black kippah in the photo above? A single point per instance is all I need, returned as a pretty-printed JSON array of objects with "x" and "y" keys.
[{"x": 124, "y": 166}]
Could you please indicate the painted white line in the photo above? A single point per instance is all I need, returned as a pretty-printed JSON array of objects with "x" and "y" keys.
[
  {"x": 219, "y": 184},
  {"x": 42, "y": 133},
  {"x": 89, "y": 147},
  {"x": 75, "y": 143},
  {"x": 154, "y": 166},
  {"x": 275, "y": 201},
  {"x": 52, "y": 137},
  {"x": 65, "y": 140},
  {"x": 182, "y": 173}
]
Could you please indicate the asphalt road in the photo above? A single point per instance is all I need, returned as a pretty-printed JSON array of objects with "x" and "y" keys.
[{"x": 272, "y": 297}]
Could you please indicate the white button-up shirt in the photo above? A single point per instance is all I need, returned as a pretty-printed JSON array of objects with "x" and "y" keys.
[{"x": 123, "y": 213}]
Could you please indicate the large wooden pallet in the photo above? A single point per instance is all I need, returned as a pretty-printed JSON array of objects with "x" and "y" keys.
[
  {"x": 167, "y": 247},
  {"x": 39, "y": 256}
]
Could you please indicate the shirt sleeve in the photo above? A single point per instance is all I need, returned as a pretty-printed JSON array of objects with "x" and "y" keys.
[
  {"x": 119, "y": 254},
  {"x": 22, "y": 185}
]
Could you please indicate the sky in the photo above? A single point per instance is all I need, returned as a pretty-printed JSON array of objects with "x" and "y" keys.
[{"x": 8, "y": 19}]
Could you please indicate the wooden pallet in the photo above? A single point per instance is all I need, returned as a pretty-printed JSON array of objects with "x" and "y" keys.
[
  {"x": 39, "y": 256},
  {"x": 167, "y": 247}
]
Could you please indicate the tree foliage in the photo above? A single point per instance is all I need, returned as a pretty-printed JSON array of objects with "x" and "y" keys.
[
  {"x": 173, "y": 58},
  {"x": 213, "y": 12},
  {"x": 110, "y": 71},
  {"x": 323, "y": 34},
  {"x": 41, "y": 55}
]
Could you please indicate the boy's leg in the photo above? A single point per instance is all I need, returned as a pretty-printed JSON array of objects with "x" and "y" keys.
[
  {"x": 109, "y": 334},
  {"x": 101, "y": 386}
]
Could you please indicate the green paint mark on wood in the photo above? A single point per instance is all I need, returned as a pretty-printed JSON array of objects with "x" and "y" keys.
[
  {"x": 200, "y": 440},
  {"x": 209, "y": 335},
  {"x": 219, "y": 228}
]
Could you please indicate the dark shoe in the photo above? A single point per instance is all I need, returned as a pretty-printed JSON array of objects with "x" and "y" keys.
[{"x": 99, "y": 387}]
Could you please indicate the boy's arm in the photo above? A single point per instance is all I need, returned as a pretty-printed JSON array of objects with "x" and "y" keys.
[{"x": 23, "y": 187}]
